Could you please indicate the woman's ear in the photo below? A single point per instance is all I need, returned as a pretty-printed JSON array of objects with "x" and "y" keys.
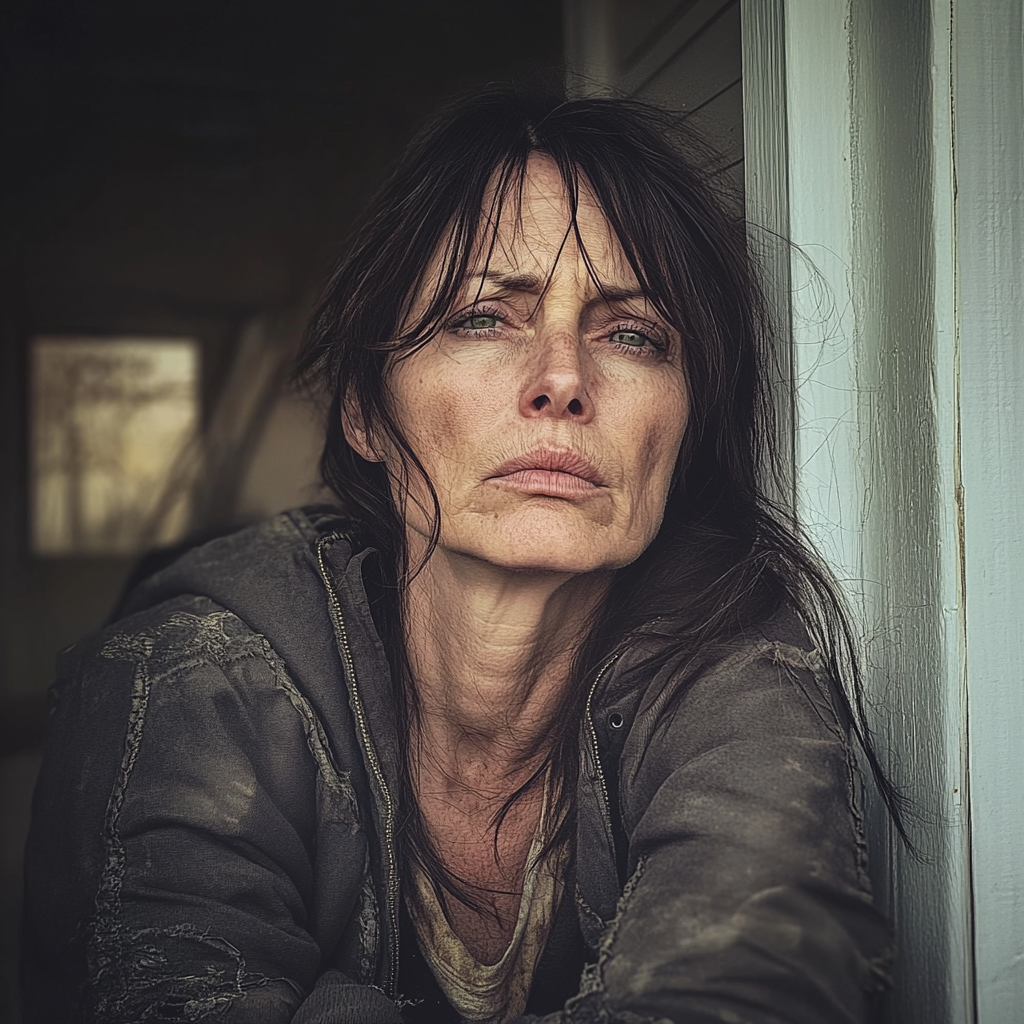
[{"x": 354, "y": 427}]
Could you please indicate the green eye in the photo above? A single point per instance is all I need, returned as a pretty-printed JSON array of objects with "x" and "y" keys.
[
  {"x": 632, "y": 338},
  {"x": 482, "y": 322}
]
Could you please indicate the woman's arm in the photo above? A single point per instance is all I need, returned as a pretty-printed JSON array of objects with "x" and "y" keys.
[
  {"x": 193, "y": 853},
  {"x": 748, "y": 900}
]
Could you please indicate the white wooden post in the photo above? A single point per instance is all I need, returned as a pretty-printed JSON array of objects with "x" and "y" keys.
[
  {"x": 988, "y": 84},
  {"x": 871, "y": 212}
]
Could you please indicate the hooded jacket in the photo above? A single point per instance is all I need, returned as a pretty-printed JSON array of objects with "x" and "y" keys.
[{"x": 214, "y": 827}]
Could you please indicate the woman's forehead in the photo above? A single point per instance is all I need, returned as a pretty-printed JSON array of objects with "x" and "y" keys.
[
  {"x": 532, "y": 231},
  {"x": 525, "y": 235}
]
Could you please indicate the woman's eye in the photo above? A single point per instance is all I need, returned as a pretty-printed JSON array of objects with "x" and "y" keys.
[
  {"x": 629, "y": 338},
  {"x": 480, "y": 322},
  {"x": 632, "y": 339}
]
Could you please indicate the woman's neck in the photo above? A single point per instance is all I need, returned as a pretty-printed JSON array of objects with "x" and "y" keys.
[{"x": 491, "y": 652}]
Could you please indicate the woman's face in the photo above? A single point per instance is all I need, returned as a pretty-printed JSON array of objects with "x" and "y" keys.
[{"x": 548, "y": 412}]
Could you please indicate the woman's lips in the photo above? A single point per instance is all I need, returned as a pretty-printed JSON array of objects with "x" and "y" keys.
[
  {"x": 547, "y": 481},
  {"x": 560, "y": 473}
]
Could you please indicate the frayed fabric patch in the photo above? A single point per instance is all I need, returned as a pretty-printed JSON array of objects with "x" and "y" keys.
[
  {"x": 591, "y": 1006},
  {"x": 186, "y": 639},
  {"x": 133, "y": 971},
  {"x": 369, "y": 930},
  {"x": 590, "y": 921},
  {"x": 140, "y": 983},
  {"x": 627, "y": 892}
]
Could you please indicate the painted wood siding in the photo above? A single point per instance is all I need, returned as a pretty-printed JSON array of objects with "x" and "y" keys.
[
  {"x": 689, "y": 59},
  {"x": 871, "y": 219},
  {"x": 988, "y": 81},
  {"x": 681, "y": 54}
]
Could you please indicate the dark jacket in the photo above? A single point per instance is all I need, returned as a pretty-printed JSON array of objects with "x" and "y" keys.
[{"x": 214, "y": 826}]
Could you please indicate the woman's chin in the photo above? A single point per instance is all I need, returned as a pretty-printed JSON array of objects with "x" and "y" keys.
[
  {"x": 541, "y": 559},
  {"x": 571, "y": 551}
]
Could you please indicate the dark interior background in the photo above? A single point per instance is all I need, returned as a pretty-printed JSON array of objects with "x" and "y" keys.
[{"x": 181, "y": 168}]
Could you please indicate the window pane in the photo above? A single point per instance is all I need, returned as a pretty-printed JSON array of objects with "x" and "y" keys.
[{"x": 113, "y": 440}]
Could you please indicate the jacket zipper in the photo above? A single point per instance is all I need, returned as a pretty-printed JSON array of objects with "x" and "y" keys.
[
  {"x": 391, "y": 874},
  {"x": 592, "y": 735}
]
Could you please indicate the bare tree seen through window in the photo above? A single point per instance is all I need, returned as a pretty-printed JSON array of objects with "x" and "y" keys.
[{"x": 111, "y": 420}]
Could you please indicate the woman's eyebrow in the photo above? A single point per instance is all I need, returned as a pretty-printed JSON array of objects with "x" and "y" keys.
[
  {"x": 618, "y": 295},
  {"x": 513, "y": 282},
  {"x": 525, "y": 282}
]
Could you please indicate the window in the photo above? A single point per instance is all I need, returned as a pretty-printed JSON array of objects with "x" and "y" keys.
[{"x": 113, "y": 437}]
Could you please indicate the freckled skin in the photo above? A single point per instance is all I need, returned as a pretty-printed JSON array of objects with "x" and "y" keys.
[{"x": 549, "y": 373}]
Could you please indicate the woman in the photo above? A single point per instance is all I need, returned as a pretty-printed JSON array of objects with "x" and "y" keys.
[{"x": 551, "y": 721}]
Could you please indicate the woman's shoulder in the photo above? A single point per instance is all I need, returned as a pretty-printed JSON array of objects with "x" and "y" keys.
[
  {"x": 231, "y": 566},
  {"x": 176, "y": 636},
  {"x": 775, "y": 660},
  {"x": 186, "y": 674},
  {"x": 241, "y": 618},
  {"x": 662, "y": 665},
  {"x": 217, "y": 596},
  {"x": 766, "y": 683}
]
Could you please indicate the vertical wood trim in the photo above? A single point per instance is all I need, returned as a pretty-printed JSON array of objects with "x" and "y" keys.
[
  {"x": 902, "y": 217},
  {"x": 766, "y": 189},
  {"x": 947, "y": 388},
  {"x": 989, "y": 156},
  {"x": 829, "y": 474}
]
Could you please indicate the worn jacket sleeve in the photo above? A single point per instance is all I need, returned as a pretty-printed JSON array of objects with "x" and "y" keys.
[
  {"x": 171, "y": 869},
  {"x": 748, "y": 900}
]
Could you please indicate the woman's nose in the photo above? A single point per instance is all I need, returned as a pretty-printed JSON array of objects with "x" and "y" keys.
[{"x": 557, "y": 383}]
